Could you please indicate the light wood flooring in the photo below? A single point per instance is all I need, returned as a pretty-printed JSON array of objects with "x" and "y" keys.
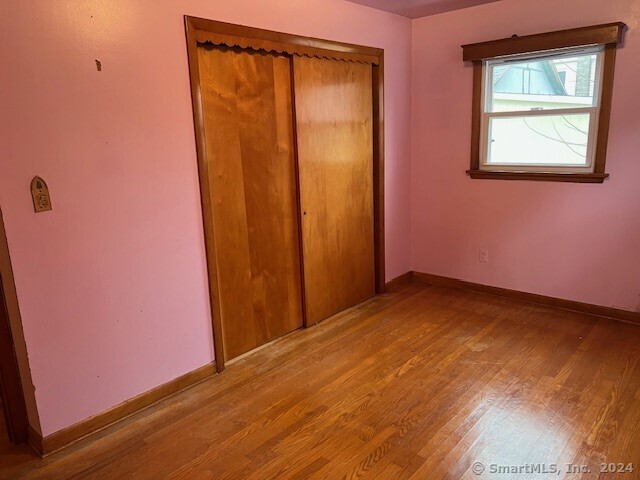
[{"x": 421, "y": 382}]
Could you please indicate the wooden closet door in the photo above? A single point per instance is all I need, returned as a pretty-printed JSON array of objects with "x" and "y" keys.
[
  {"x": 334, "y": 118},
  {"x": 247, "y": 107}
]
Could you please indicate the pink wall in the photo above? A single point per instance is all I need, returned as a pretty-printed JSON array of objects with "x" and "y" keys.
[
  {"x": 112, "y": 283},
  {"x": 579, "y": 242}
]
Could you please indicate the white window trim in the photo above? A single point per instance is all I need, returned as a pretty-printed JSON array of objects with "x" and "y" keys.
[{"x": 594, "y": 112}]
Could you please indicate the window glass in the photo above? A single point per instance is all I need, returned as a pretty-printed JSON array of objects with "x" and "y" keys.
[
  {"x": 567, "y": 81},
  {"x": 539, "y": 140}
]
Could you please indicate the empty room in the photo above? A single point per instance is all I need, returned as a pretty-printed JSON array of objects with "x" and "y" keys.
[{"x": 324, "y": 239}]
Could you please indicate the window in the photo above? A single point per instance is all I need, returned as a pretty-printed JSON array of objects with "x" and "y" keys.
[
  {"x": 541, "y": 105},
  {"x": 534, "y": 118}
]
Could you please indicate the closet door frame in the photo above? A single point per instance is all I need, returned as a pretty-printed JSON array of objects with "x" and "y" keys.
[{"x": 199, "y": 30}]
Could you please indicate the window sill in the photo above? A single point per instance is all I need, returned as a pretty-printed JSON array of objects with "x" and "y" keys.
[{"x": 539, "y": 176}]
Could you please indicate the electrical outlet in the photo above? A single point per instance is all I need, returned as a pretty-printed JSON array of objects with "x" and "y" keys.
[{"x": 483, "y": 257}]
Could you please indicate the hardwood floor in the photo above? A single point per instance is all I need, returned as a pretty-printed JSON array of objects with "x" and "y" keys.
[{"x": 421, "y": 382}]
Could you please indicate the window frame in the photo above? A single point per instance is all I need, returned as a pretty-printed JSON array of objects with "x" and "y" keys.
[
  {"x": 593, "y": 111},
  {"x": 606, "y": 37}
]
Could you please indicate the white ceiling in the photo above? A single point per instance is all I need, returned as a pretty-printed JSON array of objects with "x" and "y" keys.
[{"x": 420, "y": 8}]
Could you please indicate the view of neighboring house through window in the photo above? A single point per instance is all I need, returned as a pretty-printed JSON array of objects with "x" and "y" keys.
[{"x": 541, "y": 111}]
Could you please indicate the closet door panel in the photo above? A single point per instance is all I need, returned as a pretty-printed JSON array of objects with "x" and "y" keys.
[
  {"x": 247, "y": 107},
  {"x": 334, "y": 119}
]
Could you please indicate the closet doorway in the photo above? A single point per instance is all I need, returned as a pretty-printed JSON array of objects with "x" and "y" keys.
[
  {"x": 13, "y": 414},
  {"x": 289, "y": 136},
  {"x": 14, "y": 424}
]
